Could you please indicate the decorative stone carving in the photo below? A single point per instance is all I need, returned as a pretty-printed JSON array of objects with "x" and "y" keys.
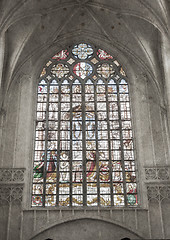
[
  {"x": 156, "y": 173},
  {"x": 153, "y": 192},
  {"x": 11, "y": 184},
  {"x": 2, "y": 112},
  {"x": 5, "y": 193},
  {"x": 158, "y": 192},
  {"x": 164, "y": 191},
  {"x": 10, "y": 194},
  {"x": 18, "y": 175},
  {"x": 6, "y": 175},
  {"x": 163, "y": 173},
  {"x": 16, "y": 193},
  {"x": 150, "y": 173},
  {"x": 11, "y": 175}
]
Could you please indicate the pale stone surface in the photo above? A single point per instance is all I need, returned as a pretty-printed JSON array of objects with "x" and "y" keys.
[
  {"x": 137, "y": 34},
  {"x": 87, "y": 229}
]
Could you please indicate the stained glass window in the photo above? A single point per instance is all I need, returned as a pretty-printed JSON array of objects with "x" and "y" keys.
[{"x": 84, "y": 149}]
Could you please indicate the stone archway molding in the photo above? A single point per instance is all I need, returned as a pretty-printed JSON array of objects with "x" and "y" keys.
[{"x": 74, "y": 218}]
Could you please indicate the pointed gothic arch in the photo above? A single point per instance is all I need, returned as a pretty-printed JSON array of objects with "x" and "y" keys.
[{"x": 84, "y": 150}]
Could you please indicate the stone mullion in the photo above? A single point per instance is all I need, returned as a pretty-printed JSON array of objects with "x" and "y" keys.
[
  {"x": 71, "y": 138},
  {"x": 122, "y": 151},
  {"x": 46, "y": 144},
  {"x": 58, "y": 146},
  {"x": 84, "y": 146},
  {"x": 97, "y": 148},
  {"x": 109, "y": 142}
]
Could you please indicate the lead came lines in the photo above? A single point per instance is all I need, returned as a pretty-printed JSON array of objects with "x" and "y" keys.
[{"x": 80, "y": 135}]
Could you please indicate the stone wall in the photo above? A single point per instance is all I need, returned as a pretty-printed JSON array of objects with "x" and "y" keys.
[
  {"x": 136, "y": 223},
  {"x": 135, "y": 32}
]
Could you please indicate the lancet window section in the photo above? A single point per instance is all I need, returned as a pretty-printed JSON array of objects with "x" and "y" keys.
[{"x": 84, "y": 151}]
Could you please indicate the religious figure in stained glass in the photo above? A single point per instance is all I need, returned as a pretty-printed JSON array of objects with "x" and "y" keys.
[{"x": 84, "y": 150}]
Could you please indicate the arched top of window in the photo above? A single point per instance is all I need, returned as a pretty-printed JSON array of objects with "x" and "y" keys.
[
  {"x": 84, "y": 152},
  {"x": 84, "y": 61}
]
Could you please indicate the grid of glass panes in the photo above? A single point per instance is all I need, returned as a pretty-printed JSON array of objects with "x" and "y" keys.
[
  {"x": 90, "y": 131},
  {"x": 52, "y": 144},
  {"x": 83, "y": 147},
  {"x": 45, "y": 162},
  {"x": 103, "y": 144},
  {"x": 77, "y": 147},
  {"x": 64, "y": 145},
  {"x": 127, "y": 143}
]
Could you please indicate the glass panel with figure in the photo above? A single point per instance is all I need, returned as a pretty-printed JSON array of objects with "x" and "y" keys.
[{"x": 84, "y": 145}]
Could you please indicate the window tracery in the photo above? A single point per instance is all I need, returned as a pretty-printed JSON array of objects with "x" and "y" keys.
[{"x": 84, "y": 152}]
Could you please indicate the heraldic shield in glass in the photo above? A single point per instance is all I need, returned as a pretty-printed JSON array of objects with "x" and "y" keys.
[{"x": 84, "y": 150}]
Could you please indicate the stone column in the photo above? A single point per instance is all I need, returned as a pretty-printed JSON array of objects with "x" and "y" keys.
[
  {"x": 166, "y": 63},
  {"x": 11, "y": 194}
]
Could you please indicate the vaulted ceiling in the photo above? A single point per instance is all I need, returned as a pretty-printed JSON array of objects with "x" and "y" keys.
[{"x": 135, "y": 27}]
